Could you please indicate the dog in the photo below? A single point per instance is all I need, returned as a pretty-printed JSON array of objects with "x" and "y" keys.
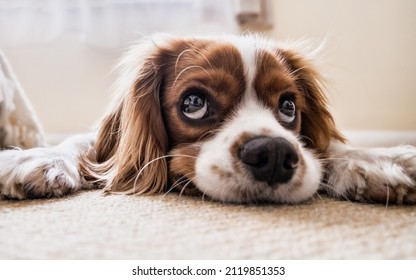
[{"x": 238, "y": 119}]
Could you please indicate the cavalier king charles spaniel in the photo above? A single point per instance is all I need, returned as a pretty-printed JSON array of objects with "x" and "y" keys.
[{"x": 236, "y": 119}]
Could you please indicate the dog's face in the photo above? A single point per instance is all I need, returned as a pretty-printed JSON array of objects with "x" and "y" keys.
[{"x": 238, "y": 119}]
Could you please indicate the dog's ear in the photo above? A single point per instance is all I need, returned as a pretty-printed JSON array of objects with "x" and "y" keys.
[
  {"x": 132, "y": 140},
  {"x": 318, "y": 126}
]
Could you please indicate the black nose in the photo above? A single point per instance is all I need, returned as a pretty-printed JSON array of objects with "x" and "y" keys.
[{"x": 271, "y": 160}]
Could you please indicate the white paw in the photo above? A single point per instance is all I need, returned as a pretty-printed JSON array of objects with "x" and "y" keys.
[
  {"x": 376, "y": 175},
  {"x": 38, "y": 173}
]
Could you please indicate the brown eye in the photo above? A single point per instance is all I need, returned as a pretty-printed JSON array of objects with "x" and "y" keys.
[
  {"x": 287, "y": 110},
  {"x": 194, "y": 106}
]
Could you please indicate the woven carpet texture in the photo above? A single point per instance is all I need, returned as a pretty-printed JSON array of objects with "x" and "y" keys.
[{"x": 90, "y": 225}]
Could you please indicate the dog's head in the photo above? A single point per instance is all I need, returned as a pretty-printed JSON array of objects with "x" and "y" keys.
[{"x": 238, "y": 119}]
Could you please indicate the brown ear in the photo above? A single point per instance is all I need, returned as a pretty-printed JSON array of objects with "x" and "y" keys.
[
  {"x": 132, "y": 141},
  {"x": 318, "y": 126}
]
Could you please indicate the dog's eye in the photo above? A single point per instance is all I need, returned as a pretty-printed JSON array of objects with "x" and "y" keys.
[
  {"x": 287, "y": 110},
  {"x": 195, "y": 107}
]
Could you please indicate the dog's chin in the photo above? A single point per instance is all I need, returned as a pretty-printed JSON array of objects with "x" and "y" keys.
[
  {"x": 250, "y": 192},
  {"x": 256, "y": 192},
  {"x": 214, "y": 180}
]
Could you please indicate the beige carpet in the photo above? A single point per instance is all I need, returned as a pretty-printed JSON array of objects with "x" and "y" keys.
[{"x": 89, "y": 225}]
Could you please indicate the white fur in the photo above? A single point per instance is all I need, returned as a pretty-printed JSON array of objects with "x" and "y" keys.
[
  {"x": 369, "y": 173},
  {"x": 44, "y": 172}
]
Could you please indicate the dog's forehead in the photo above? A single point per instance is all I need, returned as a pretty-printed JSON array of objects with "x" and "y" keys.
[
  {"x": 249, "y": 51},
  {"x": 252, "y": 62},
  {"x": 266, "y": 70}
]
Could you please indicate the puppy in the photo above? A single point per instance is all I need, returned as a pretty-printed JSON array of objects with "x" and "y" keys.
[{"x": 237, "y": 119}]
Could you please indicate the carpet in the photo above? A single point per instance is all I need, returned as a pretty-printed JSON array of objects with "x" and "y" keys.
[{"x": 90, "y": 225}]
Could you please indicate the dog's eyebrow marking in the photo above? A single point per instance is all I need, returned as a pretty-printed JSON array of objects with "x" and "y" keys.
[
  {"x": 188, "y": 68},
  {"x": 190, "y": 50}
]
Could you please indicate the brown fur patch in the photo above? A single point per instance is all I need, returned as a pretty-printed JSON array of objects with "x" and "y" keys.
[
  {"x": 238, "y": 166},
  {"x": 223, "y": 175},
  {"x": 317, "y": 126},
  {"x": 182, "y": 168},
  {"x": 235, "y": 147},
  {"x": 274, "y": 80},
  {"x": 216, "y": 69}
]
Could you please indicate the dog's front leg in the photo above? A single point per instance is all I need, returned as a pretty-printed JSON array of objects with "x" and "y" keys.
[
  {"x": 44, "y": 172},
  {"x": 384, "y": 175}
]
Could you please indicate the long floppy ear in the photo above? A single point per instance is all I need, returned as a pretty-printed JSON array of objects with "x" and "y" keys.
[
  {"x": 317, "y": 126},
  {"x": 132, "y": 141}
]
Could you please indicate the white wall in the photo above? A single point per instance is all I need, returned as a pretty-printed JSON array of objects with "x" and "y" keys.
[
  {"x": 371, "y": 56},
  {"x": 68, "y": 82},
  {"x": 371, "y": 65}
]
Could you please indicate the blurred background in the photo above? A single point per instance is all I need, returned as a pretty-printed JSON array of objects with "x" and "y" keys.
[{"x": 63, "y": 51}]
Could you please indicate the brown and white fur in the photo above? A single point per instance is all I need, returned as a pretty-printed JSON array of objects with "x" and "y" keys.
[{"x": 237, "y": 119}]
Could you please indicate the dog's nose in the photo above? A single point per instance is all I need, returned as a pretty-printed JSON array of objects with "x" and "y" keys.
[{"x": 269, "y": 159}]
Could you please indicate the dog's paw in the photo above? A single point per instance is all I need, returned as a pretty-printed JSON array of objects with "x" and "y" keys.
[
  {"x": 385, "y": 175},
  {"x": 38, "y": 173}
]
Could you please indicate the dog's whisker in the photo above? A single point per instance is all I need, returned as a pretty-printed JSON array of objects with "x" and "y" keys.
[
  {"x": 176, "y": 183},
  {"x": 329, "y": 159},
  {"x": 182, "y": 179},
  {"x": 386, "y": 184},
  {"x": 214, "y": 131},
  {"x": 140, "y": 172},
  {"x": 204, "y": 57},
  {"x": 193, "y": 52},
  {"x": 388, "y": 196},
  {"x": 179, "y": 181},
  {"x": 204, "y": 193},
  {"x": 318, "y": 196},
  {"x": 184, "y": 187},
  {"x": 188, "y": 68},
  {"x": 178, "y": 58}
]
